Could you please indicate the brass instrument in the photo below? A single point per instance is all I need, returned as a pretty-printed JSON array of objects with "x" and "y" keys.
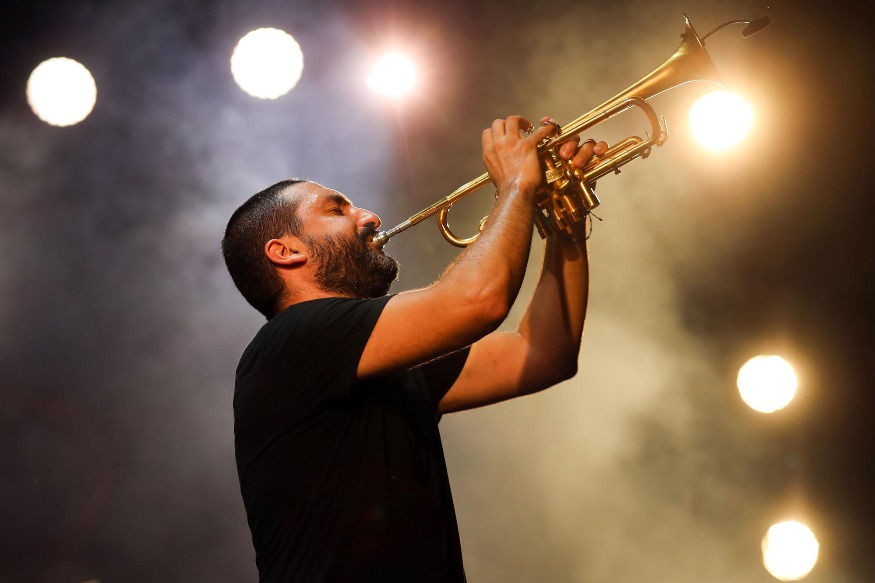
[{"x": 567, "y": 195}]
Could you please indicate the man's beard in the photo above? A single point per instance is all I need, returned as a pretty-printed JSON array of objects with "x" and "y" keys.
[{"x": 348, "y": 266}]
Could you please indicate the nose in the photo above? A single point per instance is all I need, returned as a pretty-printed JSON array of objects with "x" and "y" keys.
[{"x": 366, "y": 216}]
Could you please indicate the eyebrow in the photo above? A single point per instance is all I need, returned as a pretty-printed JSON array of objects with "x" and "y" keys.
[{"x": 338, "y": 199}]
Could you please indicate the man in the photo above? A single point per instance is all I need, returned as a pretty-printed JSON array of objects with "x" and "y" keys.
[{"x": 338, "y": 396}]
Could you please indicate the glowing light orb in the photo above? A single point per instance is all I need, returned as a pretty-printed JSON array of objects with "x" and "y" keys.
[
  {"x": 767, "y": 383},
  {"x": 394, "y": 76},
  {"x": 61, "y": 91},
  {"x": 789, "y": 550},
  {"x": 720, "y": 120},
  {"x": 267, "y": 63}
]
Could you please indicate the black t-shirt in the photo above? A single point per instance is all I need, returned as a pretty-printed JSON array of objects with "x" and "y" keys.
[{"x": 343, "y": 480}]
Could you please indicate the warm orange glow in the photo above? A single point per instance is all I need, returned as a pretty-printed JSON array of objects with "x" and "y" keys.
[
  {"x": 394, "y": 76},
  {"x": 790, "y": 550},
  {"x": 720, "y": 120},
  {"x": 767, "y": 383}
]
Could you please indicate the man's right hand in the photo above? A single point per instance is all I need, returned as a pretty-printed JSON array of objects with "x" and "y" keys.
[{"x": 512, "y": 158}]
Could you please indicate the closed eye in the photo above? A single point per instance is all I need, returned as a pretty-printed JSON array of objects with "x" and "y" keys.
[{"x": 336, "y": 204}]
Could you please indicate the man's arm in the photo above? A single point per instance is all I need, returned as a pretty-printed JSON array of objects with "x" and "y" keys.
[
  {"x": 475, "y": 294},
  {"x": 544, "y": 349}
]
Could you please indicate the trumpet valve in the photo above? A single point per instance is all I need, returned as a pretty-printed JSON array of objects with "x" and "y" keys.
[
  {"x": 554, "y": 166},
  {"x": 544, "y": 220},
  {"x": 587, "y": 196}
]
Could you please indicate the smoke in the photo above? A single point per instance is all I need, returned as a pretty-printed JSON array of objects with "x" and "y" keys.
[
  {"x": 122, "y": 329},
  {"x": 631, "y": 471},
  {"x": 634, "y": 470},
  {"x": 117, "y": 308}
]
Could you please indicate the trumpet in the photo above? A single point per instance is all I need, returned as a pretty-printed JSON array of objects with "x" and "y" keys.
[{"x": 567, "y": 194}]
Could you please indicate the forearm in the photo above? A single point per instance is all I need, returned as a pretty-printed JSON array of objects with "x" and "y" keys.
[
  {"x": 495, "y": 264},
  {"x": 554, "y": 320},
  {"x": 493, "y": 267},
  {"x": 469, "y": 301}
]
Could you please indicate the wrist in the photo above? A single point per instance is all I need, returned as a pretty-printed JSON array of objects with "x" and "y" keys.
[
  {"x": 515, "y": 189},
  {"x": 572, "y": 239}
]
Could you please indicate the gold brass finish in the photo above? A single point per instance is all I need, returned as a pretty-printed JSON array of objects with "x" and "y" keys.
[{"x": 567, "y": 195}]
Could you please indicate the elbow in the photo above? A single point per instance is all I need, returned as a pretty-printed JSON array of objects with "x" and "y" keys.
[
  {"x": 483, "y": 297},
  {"x": 488, "y": 309},
  {"x": 568, "y": 369},
  {"x": 569, "y": 361},
  {"x": 563, "y": 369},
  {"x": 472, "y": 306},
  {"x": 553, "y": 374}
]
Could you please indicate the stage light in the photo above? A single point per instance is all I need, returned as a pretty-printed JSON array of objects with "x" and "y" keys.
[
  {"x": 789, "y": 550},
  {"x": 720, "y": 120},
  {"x": 394, "y": 76},
  {"x": 61, "y": 91},
  {"x": 767, "y": 383},
  {"x": 267, "y": 63}
]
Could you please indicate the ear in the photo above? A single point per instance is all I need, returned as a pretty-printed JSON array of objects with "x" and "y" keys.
[{"x": 287, "y": 251}]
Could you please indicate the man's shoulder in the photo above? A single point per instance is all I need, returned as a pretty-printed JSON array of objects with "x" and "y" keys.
[
  {"x": 322, "y": 311},
  {"x": 326, "y": 304},
  {"x": 318, "y": 320}
]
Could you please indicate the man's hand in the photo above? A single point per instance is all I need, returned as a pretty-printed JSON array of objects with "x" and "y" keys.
[
  {"x": 512, "y": 158},
  {"x": 474, "y": 295},
  {"x": 544, "y": 349},
  {"x": 579, "y": 154}
]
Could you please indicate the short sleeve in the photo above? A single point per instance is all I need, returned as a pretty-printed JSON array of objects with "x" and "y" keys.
[
  {"x": 299, "y": 363},
  {"x": 306, "y": 355},
  {"x": 439, "y": 375},
  {"x": 318, "y": 345}
]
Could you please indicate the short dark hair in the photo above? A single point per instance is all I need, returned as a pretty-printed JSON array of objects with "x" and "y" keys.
[{"x": 266, "y": 215}]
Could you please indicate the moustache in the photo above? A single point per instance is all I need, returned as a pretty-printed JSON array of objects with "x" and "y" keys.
[{"x": 366, "y": 231}]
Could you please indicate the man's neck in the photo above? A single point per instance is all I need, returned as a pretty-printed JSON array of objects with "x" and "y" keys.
[{"x": 306, "y": 296}]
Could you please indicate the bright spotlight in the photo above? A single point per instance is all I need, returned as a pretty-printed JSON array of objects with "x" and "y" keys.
[
  {"x": 61, "y": 91},
  {"x": 267, "y": 63},
  {"x": 767, "y": 383},
  {"x": 789, "y": 550},
  {"x": 394, "y": 76},
  {"x": 720, "y": 120}
]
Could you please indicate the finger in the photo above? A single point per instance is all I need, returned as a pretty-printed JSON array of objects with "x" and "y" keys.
[
  {"x": 486, "y": 140},
  {"x": 569, "y": 148},
  {"x": 516, "y": 123},
  {"x": 498, "y": 128},
  {"x": 584, "y": 153},
  {"x": 545, "y": 130},
  {"x": 589, "y": 149},
  {"x": 548, "y": 121}
]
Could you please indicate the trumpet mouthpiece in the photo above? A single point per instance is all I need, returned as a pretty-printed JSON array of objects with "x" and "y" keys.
[{"x": 380, "y": 239}]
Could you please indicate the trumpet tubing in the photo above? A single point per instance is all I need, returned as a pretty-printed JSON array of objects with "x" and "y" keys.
[{"x": 568, "y": 195}]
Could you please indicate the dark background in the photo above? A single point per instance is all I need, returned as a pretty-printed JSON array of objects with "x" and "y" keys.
[{"x": 121, "y": 329}]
